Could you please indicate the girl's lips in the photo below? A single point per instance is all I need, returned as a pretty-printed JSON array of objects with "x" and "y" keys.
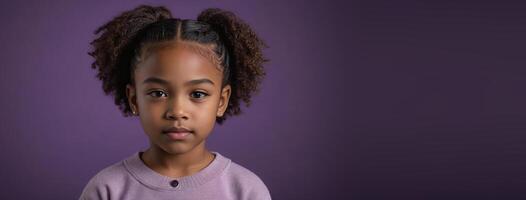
[{"x": 177, "y": 135}]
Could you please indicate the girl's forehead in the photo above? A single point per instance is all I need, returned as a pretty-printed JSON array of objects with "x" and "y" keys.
[
  {"x": 165, "y": 49},
  {"x": 178, "y": 63}
]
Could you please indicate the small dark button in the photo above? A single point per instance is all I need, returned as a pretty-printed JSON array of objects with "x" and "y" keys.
[{"x": 174, "y": 183}]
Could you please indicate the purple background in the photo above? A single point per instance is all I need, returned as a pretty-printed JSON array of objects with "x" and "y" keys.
[{"x": 363, "y": 99}]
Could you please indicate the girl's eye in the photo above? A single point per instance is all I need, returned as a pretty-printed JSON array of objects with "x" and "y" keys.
[
  {"x": 198, "y": 95},
  {"x": 156, "y": 93}
]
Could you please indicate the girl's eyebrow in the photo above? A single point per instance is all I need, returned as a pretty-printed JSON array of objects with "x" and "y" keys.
[{"x": 165, "y": 82}]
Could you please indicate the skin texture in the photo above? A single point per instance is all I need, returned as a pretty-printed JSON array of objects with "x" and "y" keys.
[{"x": 176, "y": 104}]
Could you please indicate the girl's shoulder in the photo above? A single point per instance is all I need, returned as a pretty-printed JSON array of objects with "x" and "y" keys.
[
  {"x": 113, "y": 172},
  {"x": 238, "y": 172},
  {"x": 246, "y": 180},
  {"x": 106, "y": 178}
]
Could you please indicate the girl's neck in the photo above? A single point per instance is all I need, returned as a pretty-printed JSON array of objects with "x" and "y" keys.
[{"x": 177, "y": 165}]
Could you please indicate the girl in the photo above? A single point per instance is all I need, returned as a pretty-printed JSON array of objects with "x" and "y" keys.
[{"x": 180, "y": 76}]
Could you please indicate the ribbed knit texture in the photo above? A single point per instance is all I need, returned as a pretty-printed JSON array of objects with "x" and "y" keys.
[{"x": 132, "y": 179}]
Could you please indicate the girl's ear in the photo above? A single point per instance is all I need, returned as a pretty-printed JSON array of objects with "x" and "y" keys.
[
  {"x": 223, "y": 100},
  {"x": 132, "y": 97}
]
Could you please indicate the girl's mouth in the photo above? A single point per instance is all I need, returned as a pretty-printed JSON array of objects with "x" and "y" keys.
[{"x": 177, "y": 135}]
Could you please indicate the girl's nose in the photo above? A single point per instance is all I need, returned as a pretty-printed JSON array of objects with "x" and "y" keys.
[{"x": 177, "y": 109}]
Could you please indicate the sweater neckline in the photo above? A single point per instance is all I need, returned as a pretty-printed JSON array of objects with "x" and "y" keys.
[{"x": 155, "y": 180}]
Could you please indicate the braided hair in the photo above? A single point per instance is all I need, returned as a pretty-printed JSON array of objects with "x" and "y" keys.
[{"x": 125, "y": 40}]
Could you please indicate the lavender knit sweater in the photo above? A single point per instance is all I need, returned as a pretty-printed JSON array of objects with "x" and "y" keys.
[{"x": 132, "y": 179}]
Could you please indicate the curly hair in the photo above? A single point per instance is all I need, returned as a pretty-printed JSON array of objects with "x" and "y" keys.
[{"x": 127, "y": 38}]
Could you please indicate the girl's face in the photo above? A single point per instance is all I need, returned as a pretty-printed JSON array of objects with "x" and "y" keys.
[{"x": 176, "y": 87}]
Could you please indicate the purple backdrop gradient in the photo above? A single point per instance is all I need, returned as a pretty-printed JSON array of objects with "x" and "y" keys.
[{"x": 363, "y": 99}]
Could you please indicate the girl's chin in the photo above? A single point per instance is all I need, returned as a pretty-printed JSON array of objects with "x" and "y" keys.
[{"x": 176, "y": 148}]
